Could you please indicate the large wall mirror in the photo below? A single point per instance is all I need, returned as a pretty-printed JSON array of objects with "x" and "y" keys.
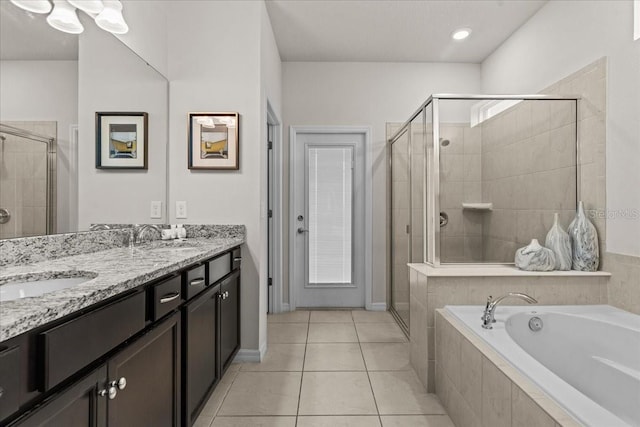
[{"x": 52, "y": 84}]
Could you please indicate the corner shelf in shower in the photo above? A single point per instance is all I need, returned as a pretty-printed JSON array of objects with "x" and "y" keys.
[{"x": 478, "y": 206}]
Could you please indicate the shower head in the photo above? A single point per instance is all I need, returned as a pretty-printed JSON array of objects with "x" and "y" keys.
[{"x": 444, "y": 142}]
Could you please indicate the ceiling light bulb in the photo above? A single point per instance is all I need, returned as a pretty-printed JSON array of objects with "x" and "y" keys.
[
  {"x": 64, "y": 18},
  {"x": 111, "y": 19},
  {"x": 88, "y": 6},
  {"x": 461, "y": 33},
  {"x": 35, "y": 6}
]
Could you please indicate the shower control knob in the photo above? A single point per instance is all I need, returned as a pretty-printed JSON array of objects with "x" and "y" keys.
[{"x": 5, "y": 216}]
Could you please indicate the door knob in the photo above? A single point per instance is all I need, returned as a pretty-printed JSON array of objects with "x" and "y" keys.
[
  {"x": 302, "y": 230},
  {"x": 111, "y": 392}
]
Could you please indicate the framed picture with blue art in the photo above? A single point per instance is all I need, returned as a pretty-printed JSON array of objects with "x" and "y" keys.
[
  {"x": 121, "y": 140},
  {"x": 213, "y": 141}
]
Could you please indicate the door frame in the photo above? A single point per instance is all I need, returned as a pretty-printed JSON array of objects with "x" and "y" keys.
[
  {"x": 276, "y": 175},
  {"x": 294, "y": 132}
]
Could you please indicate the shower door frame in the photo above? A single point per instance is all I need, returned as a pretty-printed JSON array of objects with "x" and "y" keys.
[
  {"x": 51, "y": 168},
  {"x": 431, "y": 236}
]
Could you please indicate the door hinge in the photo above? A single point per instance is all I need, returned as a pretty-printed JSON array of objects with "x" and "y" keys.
[
  {"x": 270, "y": 281},
  {"x": 269, "y": 145},
  {"x": 408, "y": 229},
  {"x": 270, "y": 213}
]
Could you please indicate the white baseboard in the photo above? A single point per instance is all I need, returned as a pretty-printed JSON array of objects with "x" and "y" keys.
[
  {"x": 285, "y": 307},
  {"x": 251, "y": 355},
  {"x": 378, "y": 306}
]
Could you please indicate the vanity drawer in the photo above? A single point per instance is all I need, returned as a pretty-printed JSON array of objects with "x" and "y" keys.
[
  {"x": 219, "y": 267},
  {"x": 9, "y": 380},
  {"x": 166, "y": 297},
  {"x": 69, "y": 347},
  {"x": 236, "y": 258},
  {"x": 194, "y": 281}
]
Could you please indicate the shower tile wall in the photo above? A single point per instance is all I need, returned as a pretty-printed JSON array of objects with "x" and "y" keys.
[
  {"x": 460, "y": 181},
  {"x": 528, "y": 173},
  {"x": 23, "y": 180}
]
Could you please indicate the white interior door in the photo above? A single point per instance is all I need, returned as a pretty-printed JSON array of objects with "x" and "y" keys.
[{"x": 328, "y": 222}]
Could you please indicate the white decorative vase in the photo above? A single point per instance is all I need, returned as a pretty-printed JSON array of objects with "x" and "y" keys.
[
  {"x": 584, "y": 242},
  {"x": 535, "y": 257},
  {"x": 559, "y": 242}
]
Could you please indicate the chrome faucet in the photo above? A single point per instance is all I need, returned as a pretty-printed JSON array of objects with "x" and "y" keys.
[
  {"x": 141, "y": 232},
  {"x": 489, "y": 310},
  {"x": 98, "y": 227}
]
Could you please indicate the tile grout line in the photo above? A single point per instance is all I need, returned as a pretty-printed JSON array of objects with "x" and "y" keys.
[
  {"x": 304, "y": 360},
  {"x": 366, "y": 369}
]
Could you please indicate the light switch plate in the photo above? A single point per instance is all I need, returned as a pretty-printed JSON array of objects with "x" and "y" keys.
[
  {"x": 181, "y": 209},
  {"x": 156, "y": 209}
]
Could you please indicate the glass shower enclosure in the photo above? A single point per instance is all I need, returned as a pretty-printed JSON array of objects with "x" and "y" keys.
[
  {"x": 474, "y": 177},
  {"x": 27, "y": 179}
]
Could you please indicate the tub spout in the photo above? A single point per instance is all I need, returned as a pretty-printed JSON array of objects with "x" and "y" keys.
[{"x": 490, "y": 308}]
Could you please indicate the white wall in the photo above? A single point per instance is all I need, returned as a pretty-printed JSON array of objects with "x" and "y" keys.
[
  {"x": 368, "y": 94},
  {"x": 561, "y": 38},
  {"x": 215, "y": 65},
  {"x": 147, "y": 34},
  {"x": 112, "y": 78},
  {"x": 45, "y": 91}
]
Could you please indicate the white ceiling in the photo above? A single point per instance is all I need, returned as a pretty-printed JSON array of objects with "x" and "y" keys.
[
  {"x": 394, "y": 30},
  {"x": 27, "y": 36}
]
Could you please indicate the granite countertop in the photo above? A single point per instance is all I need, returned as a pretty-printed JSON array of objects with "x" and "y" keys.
[{"x": 117, "y": 270}]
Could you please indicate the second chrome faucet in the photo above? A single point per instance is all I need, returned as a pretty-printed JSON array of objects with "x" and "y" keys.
[{"x": 489, "y": 310}]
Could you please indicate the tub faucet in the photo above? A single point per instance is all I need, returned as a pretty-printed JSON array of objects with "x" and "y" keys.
[
  {"x": 489, "y": 310},
  {"x": 141, "y": 232}
]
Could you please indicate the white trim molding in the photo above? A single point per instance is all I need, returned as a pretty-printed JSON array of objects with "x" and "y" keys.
[
  {"x": 247, "y": 355},
  {"x": 378, "y": 306},
  {"x": 368, "y": 204}
]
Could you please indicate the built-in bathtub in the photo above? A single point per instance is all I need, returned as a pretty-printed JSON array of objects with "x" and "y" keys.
[{"x": 585, "y": 358}]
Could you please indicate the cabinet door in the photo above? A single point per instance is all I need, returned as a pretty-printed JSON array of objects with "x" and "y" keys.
[
  {"x": 229, "y": 319},
  {"x": 151, "y": 368},
  {"x": 79, "y": 405},
  {"x": 200, "y": 325}
]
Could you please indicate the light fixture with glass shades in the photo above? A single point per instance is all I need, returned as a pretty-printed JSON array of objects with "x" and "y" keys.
[
  {"x": 111, "y": 19},
  {"x": 35, "y": 6},
  {"x": 64, "y": 18},
  {"x": 461, "y": 33},
  {"x": 106, "y": 13},
  {"x": 88, "y": 6}
]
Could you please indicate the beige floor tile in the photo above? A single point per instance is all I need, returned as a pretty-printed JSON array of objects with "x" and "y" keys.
[
  {"x": 217, "y": 397},
  {"x": 416, "y": 421},
  {"x": 331, "y": 316},
  {"x": 287, "y": 333},
  {"x": 263, "y": 393},
  {"x": 332, "y": 332},
  {"x": 279, "y": 357},
  {"x": 386, "y": 356},
  {"x": 339, "y": 421},
  {"x": 333, "y": 357},
  {"x": 336, "y": 393},
  {"x": 380, "y": 332},
  {"x": 254, "y": 422},
  {"x": 401, "y": 393},
  {"x": 364, "y": 316},
  {"x": 301, "y": 316}
]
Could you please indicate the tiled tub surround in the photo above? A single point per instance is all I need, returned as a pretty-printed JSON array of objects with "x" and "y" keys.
[
  {"x": 40, "y": 248},
  {"x": 118, "y": 270},
  {"x": 432, "y": 288},
  {"x": 589, "y": 373}
]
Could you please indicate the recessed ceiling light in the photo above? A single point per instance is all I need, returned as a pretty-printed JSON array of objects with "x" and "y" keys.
[{"x": 461, "y": 33}]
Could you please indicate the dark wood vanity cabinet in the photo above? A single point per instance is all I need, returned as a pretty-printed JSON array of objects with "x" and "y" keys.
[
  {"x": 200, "y": 351},
  {"x": 138, "y": 386},
  {"x": 151, "y": 357},
  {"x": 229, "y": 319},
  {"x": 147, "y": 378}
]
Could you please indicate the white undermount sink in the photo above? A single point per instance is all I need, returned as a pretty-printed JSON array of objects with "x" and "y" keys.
[{"x": 14, "y": 290}]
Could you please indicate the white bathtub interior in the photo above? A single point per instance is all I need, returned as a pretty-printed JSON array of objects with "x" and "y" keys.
[{"x": 587, "y": 358}]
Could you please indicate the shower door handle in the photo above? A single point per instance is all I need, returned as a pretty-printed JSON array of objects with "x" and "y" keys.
[{"x": 302, "y": 230}]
